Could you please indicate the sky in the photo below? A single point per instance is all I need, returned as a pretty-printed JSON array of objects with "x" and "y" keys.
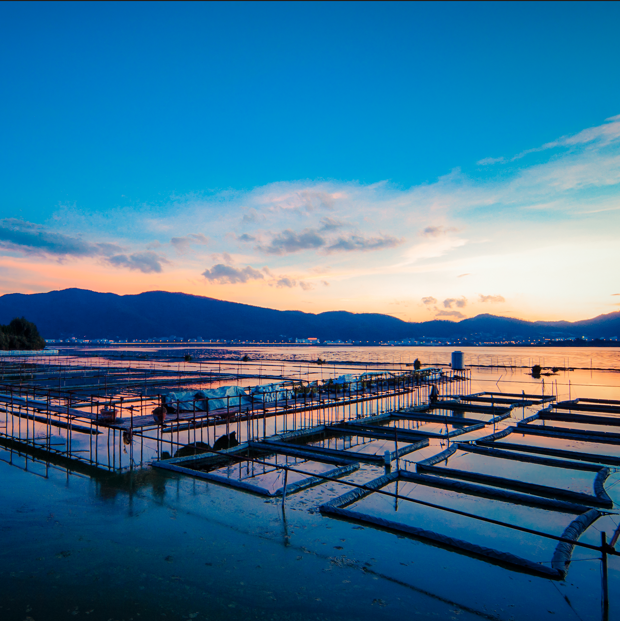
[{"x": 422, "y": 160}]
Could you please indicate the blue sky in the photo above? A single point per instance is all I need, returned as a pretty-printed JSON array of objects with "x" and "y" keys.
[{"x": 367, "y": 157}]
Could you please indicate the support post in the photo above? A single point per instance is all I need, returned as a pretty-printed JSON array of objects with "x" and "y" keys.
[
  {"x": 604, "y": 577},
  {"x": 285, "y": 485}
]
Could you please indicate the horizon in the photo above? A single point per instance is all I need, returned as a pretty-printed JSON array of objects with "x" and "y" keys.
[{"x": 419, "y": 161}]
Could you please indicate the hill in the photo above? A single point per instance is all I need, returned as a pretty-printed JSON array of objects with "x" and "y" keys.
[{"x": 88, "y": 314}]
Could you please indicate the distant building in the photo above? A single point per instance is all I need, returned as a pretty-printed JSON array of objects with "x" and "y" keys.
[{"x": 309, "y": 341}]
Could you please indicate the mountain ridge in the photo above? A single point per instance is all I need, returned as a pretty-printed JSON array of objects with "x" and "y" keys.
[{"x": 91, "y": 314}]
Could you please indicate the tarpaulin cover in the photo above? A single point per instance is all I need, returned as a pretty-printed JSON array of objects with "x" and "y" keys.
[
  {"x": 349, "y": 378},
  {"x": 218, "y": 398},
  {"x": 268, "y": 393}
]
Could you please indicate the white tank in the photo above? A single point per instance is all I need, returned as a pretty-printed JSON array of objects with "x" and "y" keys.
[{"x": 457, "y": 360}]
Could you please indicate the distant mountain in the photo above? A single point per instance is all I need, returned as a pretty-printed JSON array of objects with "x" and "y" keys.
[{"x": 88, "y": 314}]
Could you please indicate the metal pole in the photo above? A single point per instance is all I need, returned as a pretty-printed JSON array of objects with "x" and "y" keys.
[
  {"x": 286, "y": 482},
  {"x": 604, "y": 577}
]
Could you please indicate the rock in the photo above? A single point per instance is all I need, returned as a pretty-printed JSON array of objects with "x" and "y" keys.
[
  {"x": 226, "y": 441},
  {"x": 193, "y": 449}
]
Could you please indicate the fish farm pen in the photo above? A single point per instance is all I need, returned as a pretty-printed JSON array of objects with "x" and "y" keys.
[
  {"x": 515, "y": 479},
  {"x": 121, "y": 416}
]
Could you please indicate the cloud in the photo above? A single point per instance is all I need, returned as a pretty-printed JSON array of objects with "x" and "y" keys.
[
  {"x": 325, "y": 283},
  {"x": 182, "y": 244},
  {"x": 491, "y": 298},
  {"x": 306, "y": 200},
  {"x": 147, "y": 262},
  {"x": 453, "y": 313},
  {"x": 602, "y": 135},
  {"x": 288, "y": 242},
  {"x": 330, "y": 224},
  {"x": 438, "y": 231},
  {"x": 463, "y": 275},
  {"x": 615, "y": 294},
  {"x": 429, "y": 300},
  {"x": 458, "y": 302},
  {"x": 246, "y": 238},
  {"x": 363, "y": 244},
  {"x": 251, "y": 216},
  {"x": 290, "y": 283},
  {"x": 489, "y": 161},
  {"x": 229, "y": 275},
  {"x": 223, "y": 257},
  {"x": 286, "y": 282},
  {"x": 34, "y": 239}
]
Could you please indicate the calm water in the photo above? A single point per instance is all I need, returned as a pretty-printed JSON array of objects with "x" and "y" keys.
[{"x": 158, "y": 546}]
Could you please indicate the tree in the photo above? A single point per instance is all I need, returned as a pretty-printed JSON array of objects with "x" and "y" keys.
[{"x": 20, "y": 334}]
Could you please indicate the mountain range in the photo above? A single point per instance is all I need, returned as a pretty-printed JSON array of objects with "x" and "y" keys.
[{"x": 88, "y": 314}]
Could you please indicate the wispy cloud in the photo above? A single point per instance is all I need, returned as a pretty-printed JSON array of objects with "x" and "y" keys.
[
  {"x": 229, "y": 275},
  {"x": 491, "y": 298},
  {"x": 429, "y": 301},
  {"x": 286, "y": 282},
  {"x": 438, "y": 231},
  {"x": 458, "y": 302},
  {"x": 601, "y": 135},
  {"x": 330, "y": 224},
  {"x": 288, "y": 242},
  {"x": 34, "y": 239},
  {"x": 183, "y": 244},
  {"x": 147, "y": 262},
  {"x": 452, "y": 313},
  {"x": 353, "y": 243}
]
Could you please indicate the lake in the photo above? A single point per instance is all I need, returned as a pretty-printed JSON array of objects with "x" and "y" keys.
[{"x": 157, "y": 545}]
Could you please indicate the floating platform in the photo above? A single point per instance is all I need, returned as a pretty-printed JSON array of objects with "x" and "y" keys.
[
  {"x": 456, "y": 516},
  {"x": 263, "y": 470},
  {"x": 549, "y": 477},
  {"x": 372, "y": 446},
  {"x": 401, "y": 424}
]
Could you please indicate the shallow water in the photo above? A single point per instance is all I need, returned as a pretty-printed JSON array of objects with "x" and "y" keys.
[
  {"x": 269, "y": 475},
  {"x": 537, "y": 549},
  {"x": 160, "y": 546},
  {"x": 597, "y": 448},
  {"x": 577, "y": 426},
  {"x": 524, "y": 472}
]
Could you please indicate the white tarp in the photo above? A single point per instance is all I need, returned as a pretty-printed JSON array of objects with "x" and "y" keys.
[
  {"x": 349, "y": 378},
  {"x": 218, "y": 398},
  {"x": 268, "y": 393}
]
